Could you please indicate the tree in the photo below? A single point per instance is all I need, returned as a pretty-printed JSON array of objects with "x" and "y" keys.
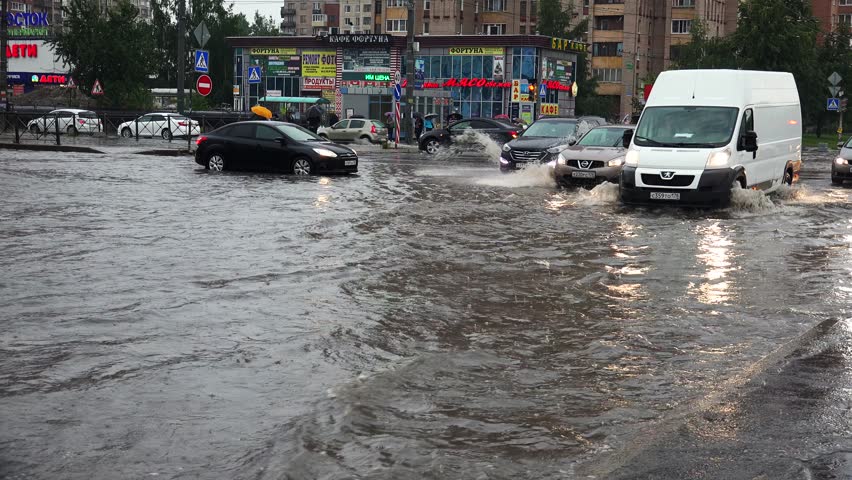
[
  {"x": 114, "y": 46},
  {"x": 704, "y": 52},
  {"x": 835, "y": 55},
  {"x": 263, "y": 26},
  {"x": 553, "y": 21}
]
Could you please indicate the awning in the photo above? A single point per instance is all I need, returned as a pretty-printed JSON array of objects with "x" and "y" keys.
[{"x": 310, "y": 100}]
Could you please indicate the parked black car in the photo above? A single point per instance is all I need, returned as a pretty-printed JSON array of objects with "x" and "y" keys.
[
  {"x": 544, "y": 139},
  {"x": 272, "y": 146},
  {"x": 459, "y": 134}
]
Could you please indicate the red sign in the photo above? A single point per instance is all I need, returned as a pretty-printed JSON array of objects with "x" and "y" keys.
[
  {"x": 97, "y": 89},
  {"x": 318, "y": 83},
  {"x": 648, "y": 90},
  {"x": 555, "y": 85},
  {"x": 204, "y": 85},
  {"x": 22, "y": 50}
]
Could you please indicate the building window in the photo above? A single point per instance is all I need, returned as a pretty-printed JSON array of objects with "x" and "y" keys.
[
  {"x": 317, "y": 17},
  {"x": 495, "y": 5},
  {"x": 681, "y": 26},
  {"x": 18, "y": 7},
  {"x": 378, "y": 6},
  {"x": 396, "y": 25},
  {"x": 317, "y": 7},
  {"x": 365, "y": 21},
  {"x": 425, "y": 27},
  {"x": 303, "y": 19},
  {"x": 844, "y": 3},
  {"x": 494, "y": 29},
  {"x": 347, "y": 9},
  {"x": 609, "y": 23},
  {"x": 427, "y": 5},
  {"x": 522, "y": 29},
  {"x": 611, "y": 2},
  {"x": 367, "y": 8},
  {"x": 683, "y": 3},
  {"x": 611, "y": 75},
  {"x": 395, "y": 3},
  {"x": 523, "y": 11},
  {"x": 303, "y": 31},
  {"x": 607, "y": 49},
  {"x": 675, "y": 52},
  {"x": 847, "y": 19},
  {"x": 533, "y": 8}
]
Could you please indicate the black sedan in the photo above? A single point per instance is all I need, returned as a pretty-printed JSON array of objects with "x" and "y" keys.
[
  {"x": 463, "y": 134},
  {"x": 272, "y": 146}
]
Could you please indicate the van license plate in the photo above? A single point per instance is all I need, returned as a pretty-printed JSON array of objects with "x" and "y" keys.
[
  {"x": 583, "y": 174},
  {"x": 665, "y": 195},
  {"x": 349, "y": 163}
]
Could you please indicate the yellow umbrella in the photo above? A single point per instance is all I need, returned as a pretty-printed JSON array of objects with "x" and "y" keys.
[{"x": 262, "y": 112}]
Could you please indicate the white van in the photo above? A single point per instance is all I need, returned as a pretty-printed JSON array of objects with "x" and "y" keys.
[{"x": 703, "y": 132}]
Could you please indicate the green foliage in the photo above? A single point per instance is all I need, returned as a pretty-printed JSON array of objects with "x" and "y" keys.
[
  {"x": 703, "y": 51},
  {"x": 114, "y": 47},
  {"x": 263, "y": 26},
  {"x": 200, "y": 103},
  {"x": 553, "y": 21}
]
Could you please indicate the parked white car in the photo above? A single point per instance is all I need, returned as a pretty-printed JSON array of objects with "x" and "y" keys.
[
  {"x": 166, "y": 125},
  {"x": 69, "y": 120},
  {"x": 355, "y": 129}
]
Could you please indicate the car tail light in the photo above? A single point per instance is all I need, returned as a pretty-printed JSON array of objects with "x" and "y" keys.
[
  {"x": 82, "y": 122},
  {"x": 513, "y": 134},
  {"x": 182, "y": 124},
  {"x": 373, "y": 129},
  {"x": 200, "y": 140}
]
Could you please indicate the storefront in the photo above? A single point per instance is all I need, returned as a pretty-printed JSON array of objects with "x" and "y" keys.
[{"x": 473, "y": 75}]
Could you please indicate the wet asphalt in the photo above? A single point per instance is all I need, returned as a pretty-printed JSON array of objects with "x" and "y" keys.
[{"x": 426, "y": 318}]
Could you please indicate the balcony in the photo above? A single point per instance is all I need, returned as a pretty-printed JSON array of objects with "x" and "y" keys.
[
  {"x": 288, "y": 24},
  {"x": 288, "y": 12},
  {"x": 319, "y": 20}
]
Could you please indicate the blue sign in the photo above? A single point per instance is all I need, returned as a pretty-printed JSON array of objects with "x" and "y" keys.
[
  {"x": 833, "y": 104},
  {"x": 254, "y": 74},
  {"x": 397, "y": 91},
  {"x": 202, "y": 61},
  {"x": 27, "y": 19},
  {"x": 542, "y": 90}
]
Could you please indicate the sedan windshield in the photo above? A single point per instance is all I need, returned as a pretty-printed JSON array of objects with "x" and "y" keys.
[
  {"x": 849, "y": 143},
  {"x": 299, "y": 134},
  {"x": 602, "y": 137},
  {"x": 697, "y": 127},
  {"x": 551, "y": 129}
]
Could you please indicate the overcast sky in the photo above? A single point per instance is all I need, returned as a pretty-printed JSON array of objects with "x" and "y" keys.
[{"x": 266, "y": 7}]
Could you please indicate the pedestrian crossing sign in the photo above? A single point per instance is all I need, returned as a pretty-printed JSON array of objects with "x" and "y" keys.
[
  {"x": 97, "y": 89},
  {"x": 202, "y": 60},
  {"x": 254, "y": 75},
  {"x": 833, "y": 105},
  {"x": 70, "y": 83}
]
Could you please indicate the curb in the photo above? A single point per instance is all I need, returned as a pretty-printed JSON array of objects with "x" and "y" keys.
[{"x": 49, "y": 148}]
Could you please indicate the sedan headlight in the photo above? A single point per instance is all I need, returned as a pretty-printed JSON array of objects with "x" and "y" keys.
[
  {"x": 616, "y": 162},
  {"x": 557, "y": 149},
  {"x": 632, "y": 158},
  {"x": 841, "y": 161},
  {"x": 507, "y": 148},
  {"x": 718, "y": 159},
  {"x": 324, "y": 152}
]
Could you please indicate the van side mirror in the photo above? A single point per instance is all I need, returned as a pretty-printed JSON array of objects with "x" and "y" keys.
[
  {"x": 626, "y": 138},
  {"x": 748, "y": 141}
]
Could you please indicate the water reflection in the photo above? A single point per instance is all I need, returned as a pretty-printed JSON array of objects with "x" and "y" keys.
[{"x": 714, "y": 247}]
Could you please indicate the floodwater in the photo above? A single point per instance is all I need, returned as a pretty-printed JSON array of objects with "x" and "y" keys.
[{"x": 427, "y": 318}]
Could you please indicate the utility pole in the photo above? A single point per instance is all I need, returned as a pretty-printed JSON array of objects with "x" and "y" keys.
[
  {"x": 4, "y": 62},
  {"x": 409, "y": 76},
  {"x": 181, "y": 64}
]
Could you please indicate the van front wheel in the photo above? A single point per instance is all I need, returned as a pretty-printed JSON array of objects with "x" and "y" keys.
[{"x": 788, "y": 177}]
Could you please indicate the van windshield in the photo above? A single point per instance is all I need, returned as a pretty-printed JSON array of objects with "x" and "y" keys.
[{"x": 695, "y": 127}]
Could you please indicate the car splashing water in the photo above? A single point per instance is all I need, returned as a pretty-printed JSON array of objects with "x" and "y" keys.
[{"x": 159, "y": 320}]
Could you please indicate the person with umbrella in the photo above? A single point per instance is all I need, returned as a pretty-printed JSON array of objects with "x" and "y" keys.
[
  {"x": 418, "y": 124},
  {"x": 314, "y": 115},
  {"x": 428, "y": 121},
  {"x": 261, "y": 113},
  {"x": 454, "y": 117},
  {"x": 391, "y": 123}
]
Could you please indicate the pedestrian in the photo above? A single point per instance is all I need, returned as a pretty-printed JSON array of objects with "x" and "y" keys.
[
  {"x": 333, "y": 118},
  {"x": 427, "y": 123},
  {"x": 418, "y": 127}
]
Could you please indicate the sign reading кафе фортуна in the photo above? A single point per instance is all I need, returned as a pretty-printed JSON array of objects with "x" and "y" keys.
[{"x": 353, "y": 39}]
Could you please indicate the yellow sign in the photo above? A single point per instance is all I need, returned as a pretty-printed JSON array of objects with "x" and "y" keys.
[
  {"x": 549, "y": 109},
  {"x": 319, "y": 63},
  {"x": 563, "y": 44},
  {"x": 574, "y": 89},
  {"x": 476, "y": 50},
  {"x": 516, "y": 90},
  {"x": 272, "y": 51}
]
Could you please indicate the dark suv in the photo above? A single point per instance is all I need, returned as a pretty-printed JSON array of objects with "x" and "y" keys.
[{"x": 544, "y": 139}]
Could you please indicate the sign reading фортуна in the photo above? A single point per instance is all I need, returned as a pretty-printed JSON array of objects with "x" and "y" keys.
[{"x": 476, "y": 50}]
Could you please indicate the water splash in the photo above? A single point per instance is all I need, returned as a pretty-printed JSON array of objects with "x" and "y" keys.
[
  {"x": 748, "y": 200},
  {"x": 532, "y": 176}
]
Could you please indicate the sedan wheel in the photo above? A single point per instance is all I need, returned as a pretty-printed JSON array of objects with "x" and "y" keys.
[
  {"x": 126, "y": 133},
  {"x": 71, "y": 130},
  {"x": 302, "y": 166},
  {"x": 35, "y": 130},
  {"x": 432, "y": 146},
  {"x": 216, "y": 162},
  {"x": 167, "y": 134}
]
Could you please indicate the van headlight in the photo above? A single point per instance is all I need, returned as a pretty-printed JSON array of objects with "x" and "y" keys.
[
  {"x": 632, "y": 158},
  {"x": 841, "y": 161},
  {"x": 507, "y": 148},
  {"x": 561, "y": 160},
  {"x": 718, "y": 159},
  {"x": 616, "y": 162},
  {"x": 557, "y": 149}
]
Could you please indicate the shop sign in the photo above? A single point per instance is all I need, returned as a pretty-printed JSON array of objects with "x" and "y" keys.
[
  {"x": 564, "y": 71},
  {"x": 236, "y": 90},
  {"x": 476, "y": 50},
  {"x": 367, "y": 76},
  {"x": 516, "y": 90},
  {"x": 568, "y": 45},
  {"x": 468, "y": 82},
  {"x": 318, "y": 83},
  {"x": 273, "y": 93},
  {"x": 554, "y": 85},
  {"x": 23, "y": 50},
  {"x": 272, "y": 51},
  {"x": 319, "y": 63},
  {"x": 31, "y": 19},
  {"x": 284, "y": 66},
  {"x": 366, "y": 60},
  {"x": 499, "y": 68},
  {"x": 351, "y": 39},
  {"x": 549, "y": 109},
  {"x": 28, "y": 32}
]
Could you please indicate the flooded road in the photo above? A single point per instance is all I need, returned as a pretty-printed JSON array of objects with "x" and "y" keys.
[{"x": 423, "y": 319}]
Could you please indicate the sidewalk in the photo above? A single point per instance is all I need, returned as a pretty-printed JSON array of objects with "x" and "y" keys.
[{"x": 793, "y": 419}]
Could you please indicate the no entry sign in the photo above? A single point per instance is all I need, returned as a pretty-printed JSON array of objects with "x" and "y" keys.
[{"x": 204, "y": 85}]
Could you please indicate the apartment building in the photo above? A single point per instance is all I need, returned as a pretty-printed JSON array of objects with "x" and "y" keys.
[
  {"x": 303, "y": 18},
  {"x": 832, "y": 13},
  {"x": 632, "y": 40}
]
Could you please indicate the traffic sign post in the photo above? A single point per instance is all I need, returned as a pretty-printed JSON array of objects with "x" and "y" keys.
[
  {"x": 202, "y": 35},
  {"x": 254, "y": 74},
  {"x": 542, "y": 92},
  {"x": 97, "y": 88},
  {"x": 833, "y": 105},
  {"x": 202, "y": 61},
  {"x": 837, "y": 103},
  {"x": 204, "y": 85}
]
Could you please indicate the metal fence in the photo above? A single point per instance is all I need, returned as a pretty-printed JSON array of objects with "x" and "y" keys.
[{"x": 44, "y": 125}]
